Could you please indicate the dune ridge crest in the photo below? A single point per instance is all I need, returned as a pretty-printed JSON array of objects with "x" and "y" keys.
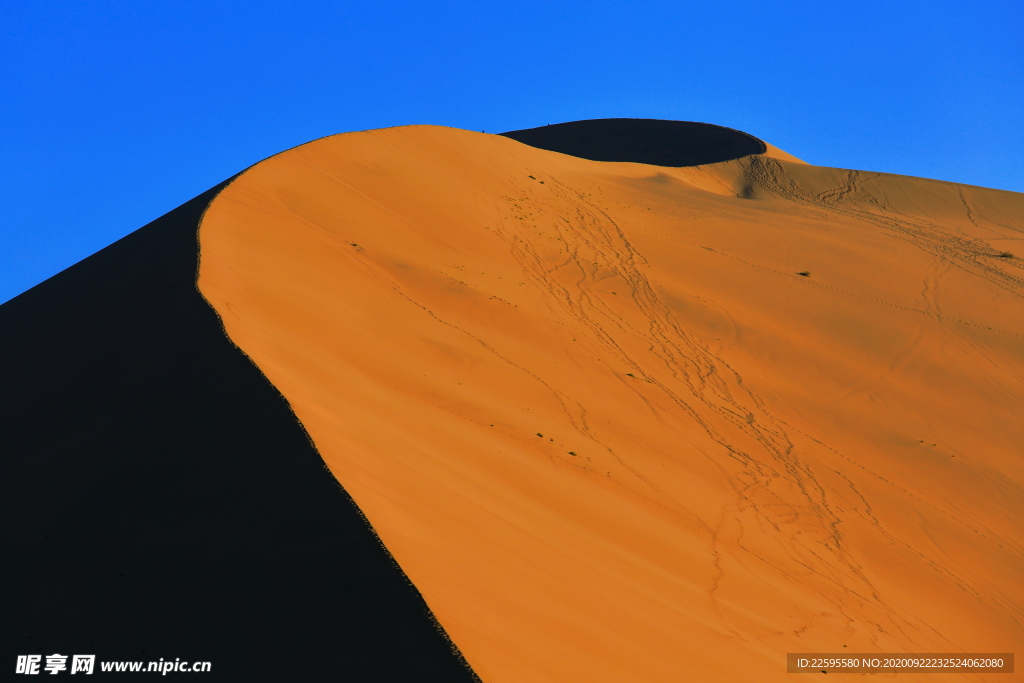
[{"x": 622, "y": 422}]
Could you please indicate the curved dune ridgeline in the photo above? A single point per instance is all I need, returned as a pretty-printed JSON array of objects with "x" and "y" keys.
[
  {"x": 160, "y": 500},
  {"x": 621, "y": 422}
]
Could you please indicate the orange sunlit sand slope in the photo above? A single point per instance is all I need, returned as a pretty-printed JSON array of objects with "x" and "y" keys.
[{"x": 621, "y": 422}]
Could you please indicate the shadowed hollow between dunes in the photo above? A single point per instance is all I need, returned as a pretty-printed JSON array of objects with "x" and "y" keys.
[{"x": 643, "y": 141}]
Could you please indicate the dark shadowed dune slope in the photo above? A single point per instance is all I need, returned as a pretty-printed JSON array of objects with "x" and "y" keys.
[
  {"x": 644, "y": 141},
  {"x": 159, "y": 498}
]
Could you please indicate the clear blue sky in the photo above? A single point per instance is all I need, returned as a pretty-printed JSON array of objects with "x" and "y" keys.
[{"x": 114, "y": 112}]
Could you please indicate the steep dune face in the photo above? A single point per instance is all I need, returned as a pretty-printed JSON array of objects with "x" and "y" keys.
[
  {"x": 159, "y": 497},
  {"x": 608, "y": 428}
]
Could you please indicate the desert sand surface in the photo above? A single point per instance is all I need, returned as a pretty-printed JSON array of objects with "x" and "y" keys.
[
  {"x": 159, "y": 499},
  {"x": 621, "y": 422}
]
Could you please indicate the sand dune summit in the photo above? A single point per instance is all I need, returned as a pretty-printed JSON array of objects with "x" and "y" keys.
[
  {"x": 608, "y": 401},
  {"x": 626, "y": 422}
]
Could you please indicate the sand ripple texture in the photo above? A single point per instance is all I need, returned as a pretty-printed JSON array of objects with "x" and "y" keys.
[{"x": 621, "y": 422}]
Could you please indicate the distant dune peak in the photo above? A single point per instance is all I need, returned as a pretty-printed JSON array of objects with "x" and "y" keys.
[{"x": 646, "y": 141}]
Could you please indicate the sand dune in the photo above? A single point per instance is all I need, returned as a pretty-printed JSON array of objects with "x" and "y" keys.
[
  {"x": 159, "y": 499},
  {"x": 621, "y": 422}
]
